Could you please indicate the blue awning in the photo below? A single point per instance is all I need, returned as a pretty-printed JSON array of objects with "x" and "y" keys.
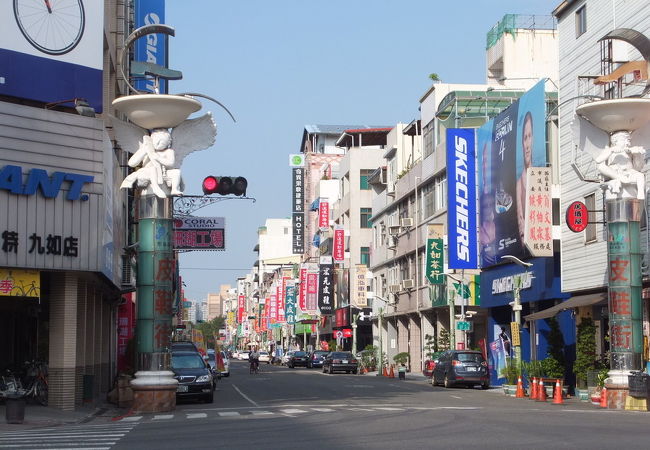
[
  {"x": 316, "y": 240},
  {"x": 314, "y": 205}
]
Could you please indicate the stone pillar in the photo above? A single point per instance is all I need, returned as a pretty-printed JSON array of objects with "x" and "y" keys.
[
  {"x": 154, "y": 387},
  {"x": 625, "y": 304},
  {"x": 63, "y": 341}
]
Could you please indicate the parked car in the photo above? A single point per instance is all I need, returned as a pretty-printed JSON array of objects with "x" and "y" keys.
[
  {"x": 464, "y": 367},
  {"x": 286, "y": 356},
  {"x": 212, "y": 361},
  {"x": 315, "y": 358},
  {"x": 430, "y": 364},
  {"x": 184, "y": 346},
  {"x": 265, "y": 357},
  {"x": 296, "y": 359},
  {"x": 340, "y": 362},
  {"x": 195, "y": 378},
  {"x": 243, "y": 356},
  {"x": 226, "y": 364}
]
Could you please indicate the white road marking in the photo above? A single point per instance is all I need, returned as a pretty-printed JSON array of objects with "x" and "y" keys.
[
  {"x": 131, "y": 419},
  {"x": 197, "y": 416},
  {"x": 323, "y": 409},
  {"x": 389, "y": 409},
  {"x": 163, "y": 417},
  {"x": 244, "y": 395},
  {"x": 455, "y": 396},
  {"x": 262, "y": 413},
  {"x": 228, "y": 414},
  {"x": 360, "y": 409},
  {"x": 293, "y": 411}
]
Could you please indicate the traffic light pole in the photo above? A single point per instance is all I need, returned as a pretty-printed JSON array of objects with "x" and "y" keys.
[{"x": 189, "y": 204}]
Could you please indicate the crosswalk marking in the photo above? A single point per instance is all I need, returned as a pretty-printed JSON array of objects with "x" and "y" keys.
[
  {"x": 262, "y": 413},
  {"x": 228, "y": 413},
  {"x": 197, "y": 416},
  {"x": 361, "y": 409},
  {"x": 79, "y": 437},
  {"x": 293, "y": 411},
  {"x": 323, "y": 409},
  {"x": 131, "y": 419},
  {"x": 385, "y": 408},
  {"x": 163, "y": 417}
]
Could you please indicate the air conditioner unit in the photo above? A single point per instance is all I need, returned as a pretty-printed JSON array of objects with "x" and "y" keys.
[
  {"x": 392, "y": 288},
  {"x": 408, "y": 284},
  {"x": 406, "y": 222},
  {"x": 392, "y": 241},
  {"x": 394, "y": 230},
  {"x": 128, "y": 278}
]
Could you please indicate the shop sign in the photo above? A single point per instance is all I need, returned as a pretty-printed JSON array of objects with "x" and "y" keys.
[
  {"x": 577, "y": 217},
  {"x": 20, "y": 283},
  {"x": 360, "y": 291},
  {"x": 538, "y": 223},
  {"x": 323, "y": 214},
  {"x": 50, "y": 245},
  {"x": 338, "y": 251},
  {"x": 11, "y": 179},
  {"x": 325, "y": 287}
]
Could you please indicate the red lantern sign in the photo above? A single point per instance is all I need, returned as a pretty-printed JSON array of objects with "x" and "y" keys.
[{"x": 577, "y": 217}]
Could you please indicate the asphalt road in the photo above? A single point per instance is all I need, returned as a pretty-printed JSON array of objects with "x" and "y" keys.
[{"x": 282, "y": 408}]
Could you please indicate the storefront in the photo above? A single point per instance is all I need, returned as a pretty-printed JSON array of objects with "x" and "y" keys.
[
  {"x": 62, "y": 221},
  {"x": 538, "y": 288}
]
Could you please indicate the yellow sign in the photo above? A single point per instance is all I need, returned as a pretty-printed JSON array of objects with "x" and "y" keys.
[
  {"x": 20, "y": 283},
  {"x": 514, "y": 332}
]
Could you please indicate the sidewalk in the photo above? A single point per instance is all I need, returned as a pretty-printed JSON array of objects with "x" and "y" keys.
[{"x": 37, "y": 416}]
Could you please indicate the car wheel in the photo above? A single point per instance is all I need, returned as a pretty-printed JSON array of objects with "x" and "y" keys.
[
  {"x": 209, "y": 398},
  {"x": 355, "y": 371},
  {"x": 324, "y": 369},
  {"x": 485, "y": 385},
  {"x": 447, "y": 381}
]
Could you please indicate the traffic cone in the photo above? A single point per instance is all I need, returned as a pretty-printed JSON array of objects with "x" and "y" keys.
[
  {"x": 392, "y": 373},
  {"x": 385, "y": 372},
  {"x": 533, "y": 389},
  {"x": 557, "y": 398},
  {"x": 520, "y": 389},
  {"x": 541, "y": 391},
  {"x": 603, "y": 398}
]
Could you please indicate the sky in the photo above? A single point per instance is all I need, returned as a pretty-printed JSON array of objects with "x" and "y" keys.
[{"x": 279, "y": 65}]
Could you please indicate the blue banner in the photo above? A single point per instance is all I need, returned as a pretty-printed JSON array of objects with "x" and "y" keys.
[
  {"x": 153, "y": 47},
  {"x": 461, "y": 205}
]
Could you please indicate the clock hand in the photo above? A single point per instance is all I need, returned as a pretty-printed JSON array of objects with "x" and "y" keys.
[{"x": 49, "y": 7}]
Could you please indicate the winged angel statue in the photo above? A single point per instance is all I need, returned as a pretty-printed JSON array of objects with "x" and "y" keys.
[{"x": 159, "y": 154}]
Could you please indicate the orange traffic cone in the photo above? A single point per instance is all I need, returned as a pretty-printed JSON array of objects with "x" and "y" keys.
[
  {"x": 603, "y": 398},
  {"x": 533, "y": 389},
  {"x": 541, "y": 391},
  {"x": 392, "y": 373},
  {"x": 557, "y": 398},
  {"x": 385, "y": 372},
  {"x": 520, "y": 388}
]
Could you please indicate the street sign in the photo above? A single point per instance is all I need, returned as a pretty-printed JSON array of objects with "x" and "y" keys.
[
  {"x": 463, "y": 325},
  {"x": 514, "y": 332}
]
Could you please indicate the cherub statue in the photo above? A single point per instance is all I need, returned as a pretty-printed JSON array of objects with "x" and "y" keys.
[
  {"x": 623, "y": 165},
  {"x": 161, "y": 153}
]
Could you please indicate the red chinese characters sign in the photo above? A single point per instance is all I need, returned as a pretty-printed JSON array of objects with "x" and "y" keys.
[
  {"x": 577, "y": 217},
  {"x": 538, "y": 221},
  {"x": 323, "y": 214},
  {"x": 338, "y": 253},
  {"x": 311, "y": 299},
  {"x": 302, "y": 290},
  {"x": 241, "y": 308}
]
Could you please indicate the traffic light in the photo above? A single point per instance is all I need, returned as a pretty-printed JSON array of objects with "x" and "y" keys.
[{"x": 224, "y": 185}]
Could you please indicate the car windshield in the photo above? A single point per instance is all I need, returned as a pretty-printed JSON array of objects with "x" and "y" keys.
[
  {"x": 264, "y": 353},
  {"x": 341, "y": 355},
  {"x": 299, "y": 354},
  {"x": 320, "y": 353},
  {"x": 211, "y": 357},
  {"x": 470, "y": 357},
  {"x": 187, "y": 362}
]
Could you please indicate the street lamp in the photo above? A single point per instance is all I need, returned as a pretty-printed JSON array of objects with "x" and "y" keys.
[{"x": 516, "y": 305}]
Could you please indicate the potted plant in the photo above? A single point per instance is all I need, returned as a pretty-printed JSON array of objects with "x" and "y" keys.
[
  {"x": 401, "y": 359},
  {"x": 532, "y": 369},
  {"x": 552, "y": 369},
  {"x": 511, "y": 373},
  {"x": 585, "y": 356}
]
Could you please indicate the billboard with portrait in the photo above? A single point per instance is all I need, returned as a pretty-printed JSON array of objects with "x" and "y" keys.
[{"x": 507, "y": 145}]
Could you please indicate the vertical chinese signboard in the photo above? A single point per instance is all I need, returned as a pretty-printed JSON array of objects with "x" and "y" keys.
[
  {"x": 359, "y": 298},
  {"x": 290, "y": 302},
  {"x": 302, "y": 289},
  {"x": 311, "y": 296},
  {"x": 325, "y": 291},
  {"x": 298, "y": 216},
  {"x": 323, "y": 214},
  {"x": 338, "y": 252},
  {"x": 435, "y": 255},
  {"x": 241, "y": 307},
  {"x": 538, "y": 235}
]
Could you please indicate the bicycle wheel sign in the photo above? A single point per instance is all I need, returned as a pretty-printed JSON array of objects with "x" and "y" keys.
[{"x": 20, "y": 283}]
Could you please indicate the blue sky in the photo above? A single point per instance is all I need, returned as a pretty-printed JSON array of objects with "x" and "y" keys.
[{"x": 278, "y": 65}]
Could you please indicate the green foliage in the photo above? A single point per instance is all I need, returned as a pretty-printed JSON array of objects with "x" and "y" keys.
[
  {"x": 585, "y": 350},
  {"x": 430, "y": 345},
  {"x": 443, "y": 340},
  {"x": 603, "y": 373},
  {"x": 210, "y": 329},
  {"x": 369, "y": 356},
  {"x": 332, "y": 345},
  {"x": 532, "y": 369},
  {"x": 552, "y": 368},
  {"x": 511, "y": 371},
  {"x": 401, "y": 358},
  {"x": 555, "y": 341},
  {"x": 434, "y": 77}
]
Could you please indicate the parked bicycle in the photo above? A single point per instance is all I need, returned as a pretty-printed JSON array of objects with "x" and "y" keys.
[
  {"x": 36, "y": 381},
  {"x": 10, "y": 385}
]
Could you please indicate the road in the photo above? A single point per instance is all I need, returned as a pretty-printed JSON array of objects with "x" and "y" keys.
[{"x": 281, "y": 408}]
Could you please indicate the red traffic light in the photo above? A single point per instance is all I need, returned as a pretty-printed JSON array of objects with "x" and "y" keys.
[
  {"x": 210, "y": 185},
  {"x": 224, "y": 185}
]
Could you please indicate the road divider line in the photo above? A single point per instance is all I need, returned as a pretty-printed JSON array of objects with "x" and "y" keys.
[
  {"x": 197, "y": 416},
  {"x": 245, "y": 396}
]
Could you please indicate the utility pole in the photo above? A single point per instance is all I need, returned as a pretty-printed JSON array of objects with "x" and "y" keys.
[{"x": 354, "y": 333}]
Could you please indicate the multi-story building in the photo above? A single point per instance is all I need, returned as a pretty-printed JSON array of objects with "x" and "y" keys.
[{"x": 215, "y": 303}]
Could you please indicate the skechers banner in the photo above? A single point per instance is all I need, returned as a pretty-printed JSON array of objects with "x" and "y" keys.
[{"x": 461, "y": 212}]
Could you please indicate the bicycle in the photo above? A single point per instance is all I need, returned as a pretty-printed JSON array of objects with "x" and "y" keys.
[
  {"x": 10, "y": 385},
  {"x": 36, "y": 381},
  {"x": 254, "y": 367}
]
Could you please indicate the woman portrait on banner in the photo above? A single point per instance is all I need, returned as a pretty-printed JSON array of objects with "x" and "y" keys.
[
  {"x": 531, "y": 146},
  {"x": 487, "y": 227}
]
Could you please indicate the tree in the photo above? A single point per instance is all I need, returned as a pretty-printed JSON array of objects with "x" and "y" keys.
[
  {"x": 585, "y": 350},
  {"x": 434, "y": 77},
  {"x": 555, "y": 341},
  {"x": 443, "y": 340},
  {"x": 209, "y": 329}
]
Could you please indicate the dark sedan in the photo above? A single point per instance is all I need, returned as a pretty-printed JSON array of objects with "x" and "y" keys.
[
  {"x": 297, "y": 359},
  {"x": 340, "y": 362},
  {"x": 316, "y": 358},
  {"x": 195, "y": 379},
  {"x": 461, "y": 367}
]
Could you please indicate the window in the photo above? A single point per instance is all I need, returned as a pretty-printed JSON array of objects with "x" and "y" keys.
[
  {"x": 590, "y": 231},
  {"x": 366, "y": 214},
  {"x": 427, "y": 201},
  {"x": 365, "y": 256},
  {"x": 363, "y": 179},
  {"x": 581, "y": 21}
]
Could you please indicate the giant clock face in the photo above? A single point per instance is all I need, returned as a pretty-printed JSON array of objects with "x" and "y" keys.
[{"x": 54, "y": 27}]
